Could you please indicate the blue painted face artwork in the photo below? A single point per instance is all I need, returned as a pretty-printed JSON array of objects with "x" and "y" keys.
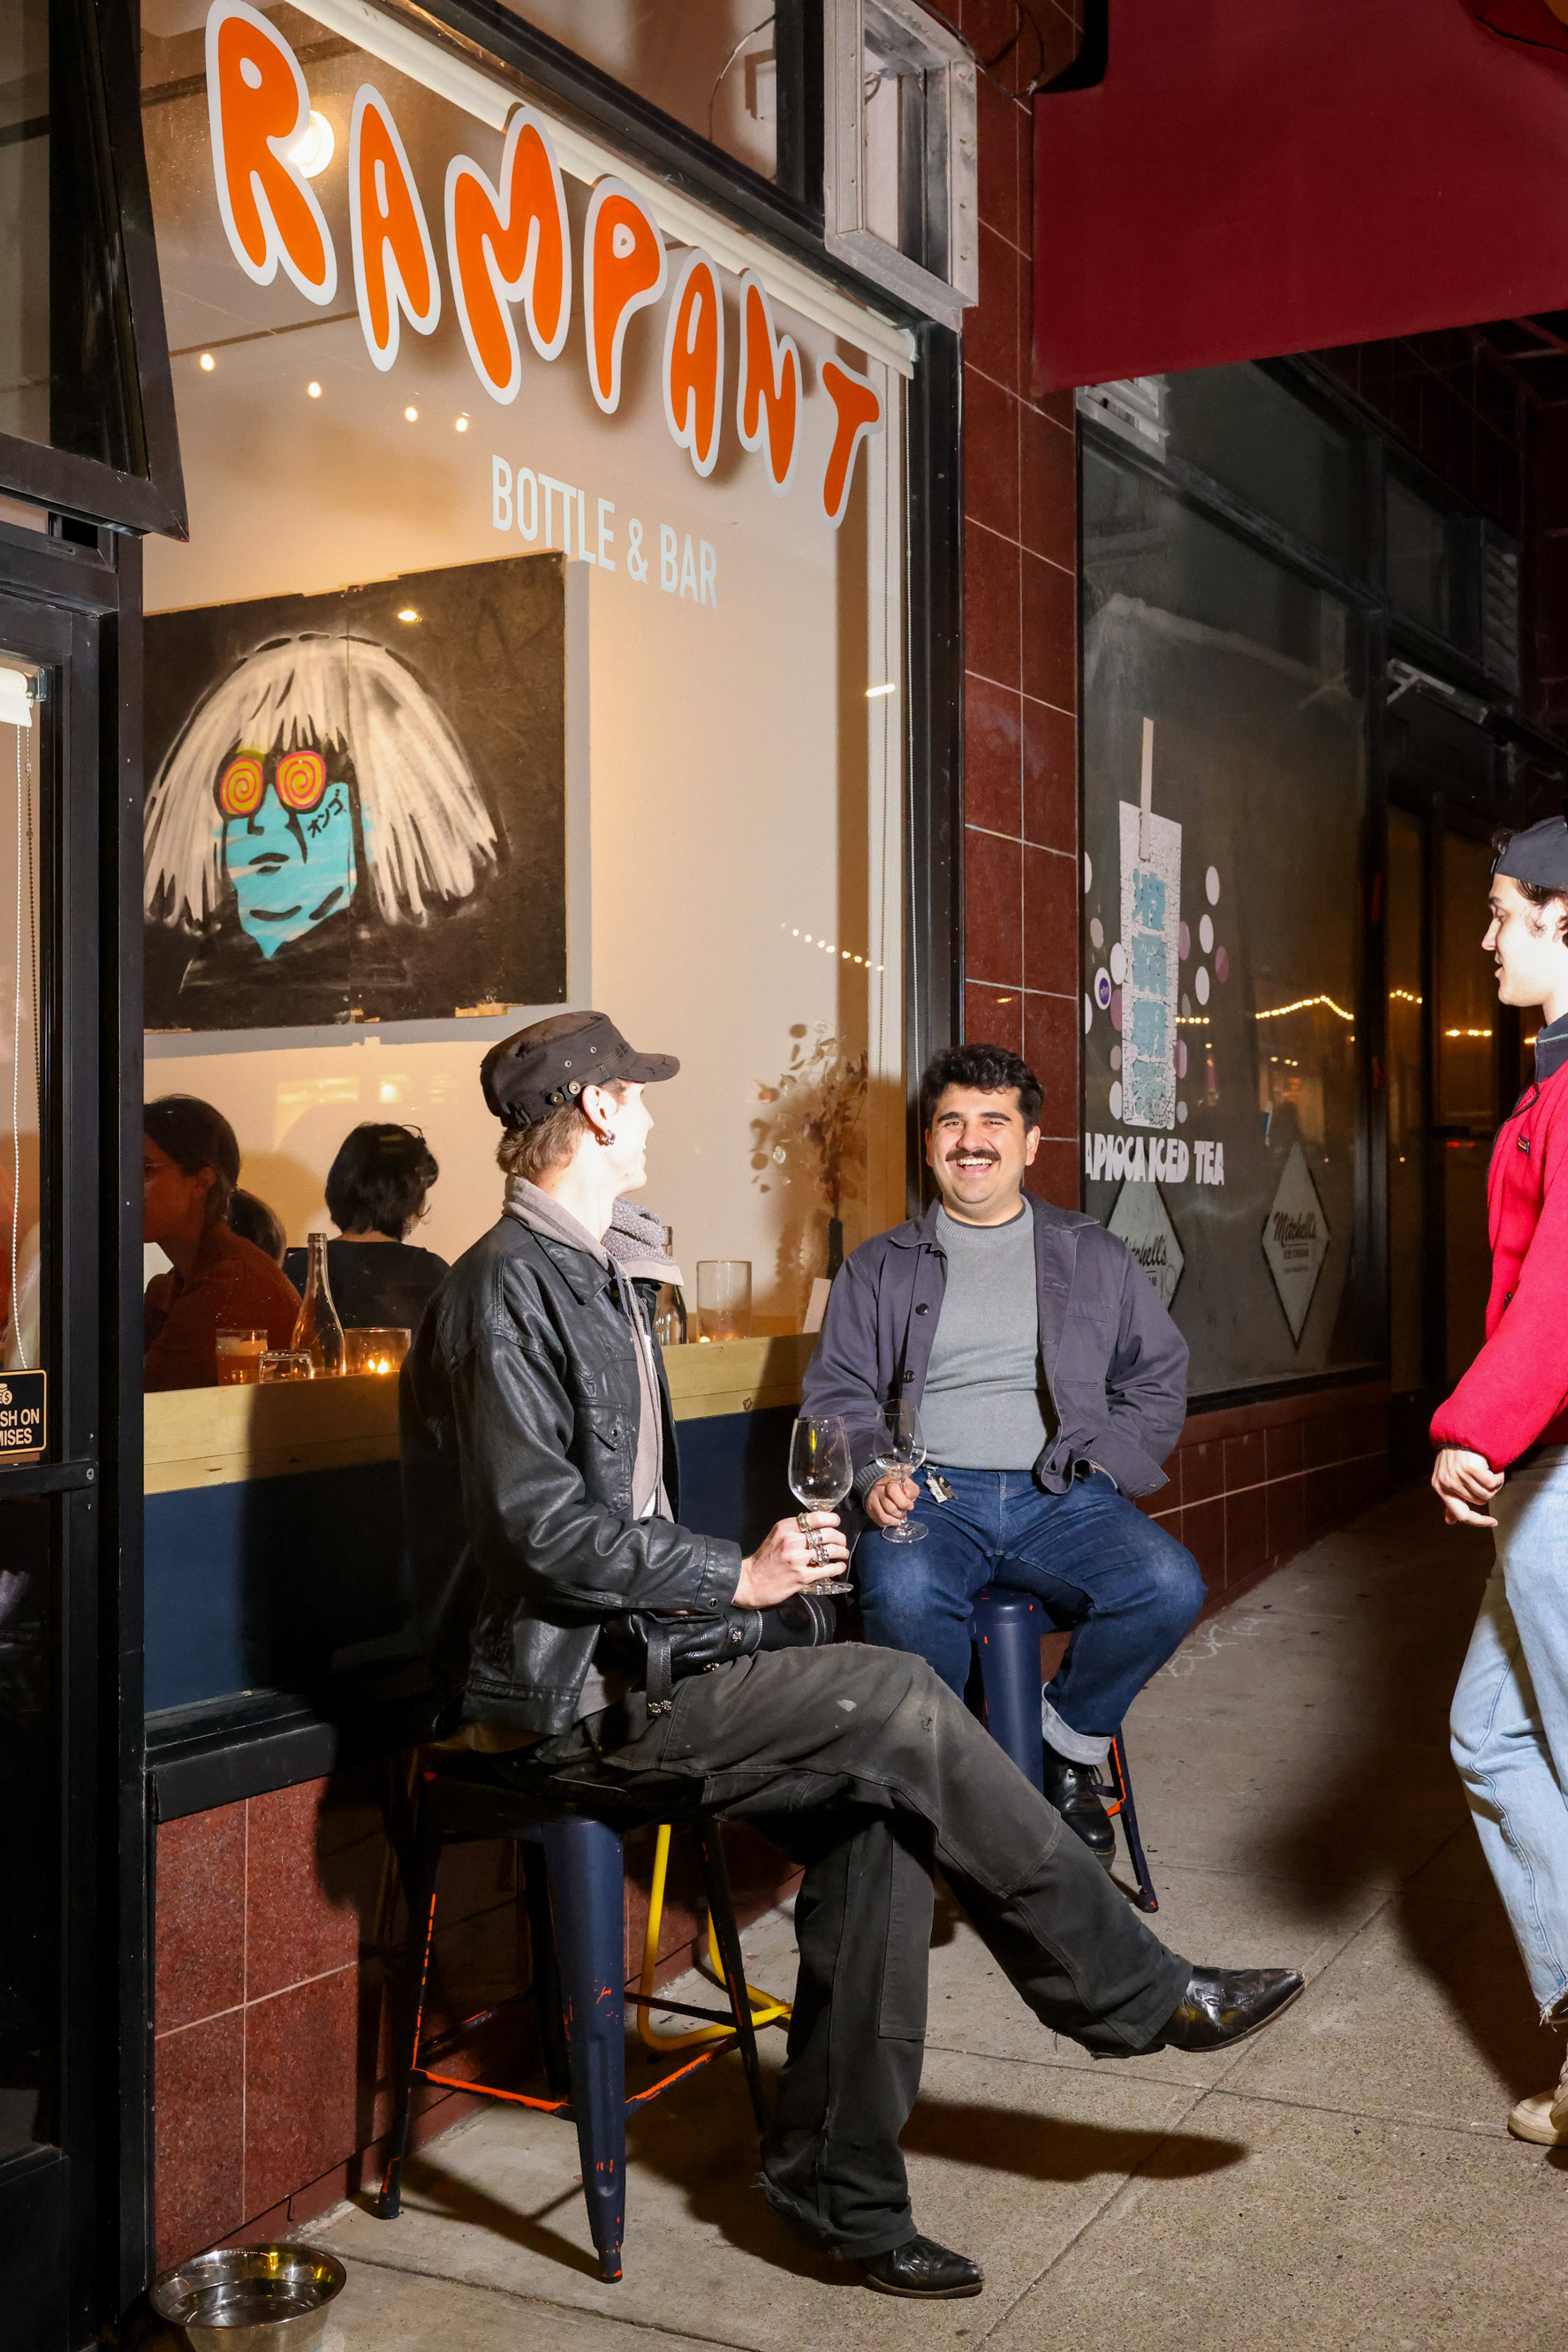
[{"x": 288, "y": 844}]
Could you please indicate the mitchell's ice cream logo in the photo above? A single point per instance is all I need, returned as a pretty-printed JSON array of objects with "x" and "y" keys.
[
  {"x": 509, "y": 257},
  {"x": 1296, "y": 1241}
]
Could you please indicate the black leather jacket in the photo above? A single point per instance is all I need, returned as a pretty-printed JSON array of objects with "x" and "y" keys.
[{"x": 519, "y": 1408}]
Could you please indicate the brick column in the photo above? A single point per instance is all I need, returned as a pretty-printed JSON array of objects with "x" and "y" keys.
[{"x": 1020, "y": 830}]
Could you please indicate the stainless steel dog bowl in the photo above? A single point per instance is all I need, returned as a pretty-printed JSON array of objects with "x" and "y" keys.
[{"x": 252, "y": 2298}]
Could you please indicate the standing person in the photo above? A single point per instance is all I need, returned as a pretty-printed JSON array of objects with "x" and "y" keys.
[
  {"x": 378, "y": 1189},
  {"x": 1051, "y": 1384},
  {"x": 1503, "y": 1463},
  {"x": 191, "y": 1165},
  {"x": 541, "y": 1488}
]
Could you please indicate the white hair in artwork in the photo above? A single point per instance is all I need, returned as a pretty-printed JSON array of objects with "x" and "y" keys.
[{"x": 427, "y": 833}]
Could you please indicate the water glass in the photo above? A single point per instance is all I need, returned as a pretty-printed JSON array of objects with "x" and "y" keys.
[
  {"x": 239, "y": 1357},
  {"x": 285, "y": 1364},
  {"x": 724, "y": 1297},
  {"x": 820, "y": 1471}
]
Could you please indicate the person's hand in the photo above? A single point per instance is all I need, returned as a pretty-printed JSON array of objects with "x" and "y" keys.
[
  {"x": 1465, "y": 1481},
  {"x": 783, "y": 1563},
  {"x": 890, "y": 1500}
]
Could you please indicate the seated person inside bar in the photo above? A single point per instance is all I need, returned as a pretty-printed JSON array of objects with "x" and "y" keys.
[
  {"x": 217, "y": 1282},
  {"x": 254, "y": 1220},
  {"x": 376, "y": 1192},
  {"x": 1051, "y": 1384},
  {"x": 541, "y": 1491}
]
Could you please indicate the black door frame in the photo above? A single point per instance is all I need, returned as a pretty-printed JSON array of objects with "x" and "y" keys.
[{"x": 79, "y": 606}]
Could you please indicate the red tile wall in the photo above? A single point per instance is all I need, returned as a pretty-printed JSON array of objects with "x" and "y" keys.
[
  {"x": 277, "y": 1920},
  {"x": 1248, "y": 1488},
  {"x": 1020, "y": 541}
]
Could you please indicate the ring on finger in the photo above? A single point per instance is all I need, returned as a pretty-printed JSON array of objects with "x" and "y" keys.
[{"x": 802, "y": 1520}]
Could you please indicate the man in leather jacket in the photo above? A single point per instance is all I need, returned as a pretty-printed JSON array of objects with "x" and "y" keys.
[{"x": 541, "y": 1488}]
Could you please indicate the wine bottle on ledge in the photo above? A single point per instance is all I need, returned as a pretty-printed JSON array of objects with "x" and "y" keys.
[{"x": 317, "y": 1332}]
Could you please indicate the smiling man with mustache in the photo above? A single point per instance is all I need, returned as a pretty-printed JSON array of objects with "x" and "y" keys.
[{"x": 1051, "y": 1384}]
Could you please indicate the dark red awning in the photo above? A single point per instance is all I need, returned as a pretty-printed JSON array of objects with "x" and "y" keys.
[{"x": 1258, "y": 176}]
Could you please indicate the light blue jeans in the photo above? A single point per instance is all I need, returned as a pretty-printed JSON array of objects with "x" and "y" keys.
[{"x": 1509, "y": 1725}]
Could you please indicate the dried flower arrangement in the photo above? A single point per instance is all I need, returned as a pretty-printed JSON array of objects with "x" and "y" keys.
[{"x": 814, "y": 1124}]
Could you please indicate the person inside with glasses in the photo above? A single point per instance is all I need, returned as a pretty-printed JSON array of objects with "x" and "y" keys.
[
  {"x": 377, "y": 1192},
  {"x": 541, "y": 1491},
  {"x": 1051, "y": 1384},
  {"x": 316, "y": 803},
  {"x": 217, "y": 1281}
]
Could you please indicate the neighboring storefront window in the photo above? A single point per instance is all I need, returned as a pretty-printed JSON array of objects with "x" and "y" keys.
[
  {"x": 515, "y": 662},
  {"x": 1225, "y": 796}
]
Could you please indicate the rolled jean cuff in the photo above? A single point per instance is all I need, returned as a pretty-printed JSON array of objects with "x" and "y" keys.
[
  {"x": 863, "y": 2245},
  {"x": 1078, "y": 1747}
]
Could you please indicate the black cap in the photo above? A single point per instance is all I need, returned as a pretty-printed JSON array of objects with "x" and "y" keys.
[
  {"x": 1539, "y": 853},
  {"x": 546, "y": 1065}
]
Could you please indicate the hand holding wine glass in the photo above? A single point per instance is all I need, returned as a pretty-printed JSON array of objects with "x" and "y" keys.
[
  {"x": 898, "y": 1450},
  {"x": 820, "y": 1474}
]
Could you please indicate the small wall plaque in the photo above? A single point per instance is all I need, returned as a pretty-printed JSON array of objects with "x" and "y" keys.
[{"x": 24, "y": 1416}]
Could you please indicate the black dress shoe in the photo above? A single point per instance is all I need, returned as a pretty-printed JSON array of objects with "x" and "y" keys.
[
  {"x": 1225, "y": 2005},
  {"x": 1075, "y": 1789},
  {"x": 921, "y": 2268}
]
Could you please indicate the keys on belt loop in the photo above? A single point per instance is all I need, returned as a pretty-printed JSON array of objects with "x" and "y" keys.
[{"x": 937, "y": 1487}]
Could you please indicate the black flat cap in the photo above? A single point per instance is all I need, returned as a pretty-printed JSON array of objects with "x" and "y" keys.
[
  {"x": 1539, "y": 855},
  {"x": 546, "y": 1065}
]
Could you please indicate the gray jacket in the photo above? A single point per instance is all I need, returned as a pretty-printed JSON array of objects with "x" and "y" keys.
[
  {"x": 1115, "y": 1362},
  {"x": 520, "y": 1407}
]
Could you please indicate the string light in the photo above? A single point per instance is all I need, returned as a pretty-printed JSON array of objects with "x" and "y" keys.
[
  {"x": 208, "y": 364},
  {"x": 1466, "y": 1033},
  {"x": 1303, "y": 1005},
  {"x": 1404, "y": 996}
]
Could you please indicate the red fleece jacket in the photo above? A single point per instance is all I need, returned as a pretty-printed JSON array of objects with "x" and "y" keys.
[{"x": 1516, "y": 1392}]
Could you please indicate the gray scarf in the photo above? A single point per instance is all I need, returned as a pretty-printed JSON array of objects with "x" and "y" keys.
[{"x": 636, "y": 1242}]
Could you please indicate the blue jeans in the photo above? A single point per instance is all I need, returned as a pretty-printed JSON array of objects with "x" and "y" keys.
[
  {"x": 1509, "y": 1725},
  {"x": 1090, "y": 1556}
]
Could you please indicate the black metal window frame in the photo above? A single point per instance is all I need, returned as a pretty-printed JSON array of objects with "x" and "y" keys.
[{"x": 82, "y": 488}]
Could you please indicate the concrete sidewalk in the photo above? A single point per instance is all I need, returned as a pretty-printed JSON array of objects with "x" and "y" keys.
[{"x": 1346, "y": 2180}]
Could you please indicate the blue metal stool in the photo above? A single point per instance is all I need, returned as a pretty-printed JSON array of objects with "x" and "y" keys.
[
  {"x": 1008, "y": 1630},
  {"x": 574, "y": 1887}
]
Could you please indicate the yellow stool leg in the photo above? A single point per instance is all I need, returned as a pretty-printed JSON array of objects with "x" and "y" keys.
[{"x": 764, "y": 2009}]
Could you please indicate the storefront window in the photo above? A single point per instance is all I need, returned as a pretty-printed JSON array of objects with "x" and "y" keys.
[
  {"x": 1257, "y": 439},
  {"x": 493, "y": 681},
  {"x": 65, "y": 341},
  {"x": 1224, "y": 813},
  {"x": 712, "y": 64}
]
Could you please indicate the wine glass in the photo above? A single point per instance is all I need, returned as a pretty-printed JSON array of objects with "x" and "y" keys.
[
  {"x": 899, "y": 1445},
  {"x": 821, "y": 1472}
]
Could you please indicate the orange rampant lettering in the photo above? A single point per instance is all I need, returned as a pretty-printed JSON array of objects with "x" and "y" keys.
[
  {"x": 623, "y": 271},
  {"x": 694, "y": 360},
  {"x": 394, "y": 261},
  {"x": 257, "y": 106},
  {"x": 768, "y": 402},
  {"x": 506, "y": 245},
  {"x": 857, "y": 405}
]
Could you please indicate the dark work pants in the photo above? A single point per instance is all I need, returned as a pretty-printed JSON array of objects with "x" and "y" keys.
[{"x": 864, "y": 1767}]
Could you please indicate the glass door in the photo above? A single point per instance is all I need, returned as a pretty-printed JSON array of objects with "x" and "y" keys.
[
  {"x": 1465, "y": 1067},
  {"x": 61, "y": 1945},
  {"x": 1405, "y": 1034}
]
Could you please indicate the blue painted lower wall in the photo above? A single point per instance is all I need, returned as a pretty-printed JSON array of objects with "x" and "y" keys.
[{"x": 262, "y": 1585}]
